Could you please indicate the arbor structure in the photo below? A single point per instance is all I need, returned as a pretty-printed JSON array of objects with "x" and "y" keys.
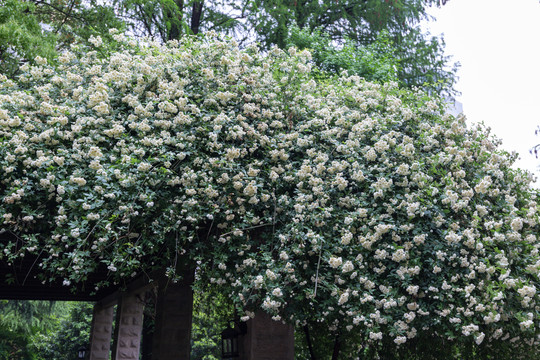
[{"x": 353, "y": 206}]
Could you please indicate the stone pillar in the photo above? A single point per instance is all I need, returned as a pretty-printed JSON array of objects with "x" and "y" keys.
[
  {"x": 267, "y": 339},
  {"x": 128, "y": 330},
  {"x": 174, "y": 306},
  {"x": 101, "y": 332}
]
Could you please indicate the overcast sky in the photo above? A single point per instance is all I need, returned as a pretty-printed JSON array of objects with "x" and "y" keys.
[{"x": 497, "y": 43}]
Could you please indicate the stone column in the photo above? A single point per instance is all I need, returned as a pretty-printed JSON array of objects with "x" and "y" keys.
[
  {"x": 174, "y": 306},
  {"x": 128, "y": 330},
  {"x": 101, "y": 332},
  {"x": 267, "y": 339}
]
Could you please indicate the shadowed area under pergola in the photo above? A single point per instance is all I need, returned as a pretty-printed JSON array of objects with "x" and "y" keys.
[{"x": 20, "y": 280}]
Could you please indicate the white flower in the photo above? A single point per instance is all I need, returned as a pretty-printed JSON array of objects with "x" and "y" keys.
[
  {"x": 95, "y": 152},
  {"x": 95, "y": 40},
  {"x": 78, "y": 180},
  {"x": 371, "y": 155},
  {"x": 526, "y": 324},
  {"x": 144, "y": 166},
  {"x": 346, "y": 238},
  {"x": 277, "y": 292},
  {"x": 479, "y": 338},
  {"x": 250, "y": 189},
  {"x": 335, "y": 262},
  {"x": 516, "y": 224},
  {"x": 271, "y": 275},
  {"x": 483, "y": 185},
  {"x": 527, "y": 291},
  {"x": 399, "y": 255},
  {"x": 413, "y": 289},
  {"x": 343, "y": 298},
  {"x": 348, "y": 266}
]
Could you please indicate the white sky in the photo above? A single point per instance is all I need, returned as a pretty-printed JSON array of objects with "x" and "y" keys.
[{"x": 497, "y": 43}]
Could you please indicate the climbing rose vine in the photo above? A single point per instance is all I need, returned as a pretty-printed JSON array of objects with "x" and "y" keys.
[{"x": 360, "y": 205}]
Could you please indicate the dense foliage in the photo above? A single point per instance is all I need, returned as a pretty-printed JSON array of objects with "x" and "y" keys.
[
  {"x": 23, "y": 324},
  {"x": 44, "y": 28},
  {"x": 357, "y": 206},
  {"x": 375, "y": 62},
  {"x": 70, "y": 331},
  {"x": 41, "y": 27},
  {"x": 21, "y": 36}
]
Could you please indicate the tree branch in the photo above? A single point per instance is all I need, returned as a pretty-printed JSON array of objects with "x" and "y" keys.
[
  {"x": 66, "y": 16},
  {"x": 310, "y": 346}
]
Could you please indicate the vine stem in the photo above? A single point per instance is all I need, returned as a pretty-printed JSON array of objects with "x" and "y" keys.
[{"x": 317, "y": 274}]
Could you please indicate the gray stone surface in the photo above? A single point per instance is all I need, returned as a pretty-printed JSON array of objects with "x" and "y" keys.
[
  {"x": 101, "y": 332},
  {"x": 129, "y": 320}
]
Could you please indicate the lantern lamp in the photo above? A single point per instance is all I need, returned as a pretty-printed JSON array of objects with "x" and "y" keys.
[
  {"x": 229, "y": 343},
  {"x": 81, "y": 353}
]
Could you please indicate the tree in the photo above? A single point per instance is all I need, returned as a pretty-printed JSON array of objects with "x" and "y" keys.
[
  {"x": 75, "y": 20},
  {"x": 357, "y": 206},
  {"x": 360, "y": 21},
  {"x": 374, "y": 62},
  {"x": 212, "y": 312},
  {"x": 29, "y": 29},
  {"x": 421, "y": 58},
  {"x": 166, "y": 20},
  {"x": 71, "y": 330},
  {"x": 21, "y": 36},
  {"x": 21, "y": 322},
  {"x": 357, "y": 24}
]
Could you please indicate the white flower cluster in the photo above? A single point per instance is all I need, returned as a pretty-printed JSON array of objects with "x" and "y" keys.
[{"x": 395, "y": 218}]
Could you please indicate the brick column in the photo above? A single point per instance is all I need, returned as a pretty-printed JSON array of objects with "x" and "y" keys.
[
  {"x": 129, "y": 320},
  {"x": 101, "y": 332},
  {"x": 174, "y": 306},
  {"x": 267, "y": 339}
]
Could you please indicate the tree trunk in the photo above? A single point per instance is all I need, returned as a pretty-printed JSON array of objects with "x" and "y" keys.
[
  {"x": 196, "y": 16},
  {"x": 310, "y": 346},
  {"x": 176, "y": 21},
  {"x": 337, "y": 345}
]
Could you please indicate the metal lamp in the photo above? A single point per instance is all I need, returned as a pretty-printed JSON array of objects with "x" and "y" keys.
[
  {"x": 229, "y": 343},
  {"x": 81, "y": 353}
]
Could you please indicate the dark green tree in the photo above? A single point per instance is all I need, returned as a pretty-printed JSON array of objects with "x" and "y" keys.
[
  {"x": 71, "y": 330},
  {"x": 21, "y": 322},
  {"x": 374, "y": 62},
  {"x": 43, "y": 28},
  {"x": 71, "y": 20},
  {"x": 360, "y": 21},
  {"x": 346, "y": 28},
  {"x": 171, "y": 19},
  {"x": 21, "y": 36},
  {"x": 353, "y": 25}
]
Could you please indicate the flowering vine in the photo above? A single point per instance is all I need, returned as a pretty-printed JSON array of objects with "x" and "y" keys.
[{"x": 360, "y": 205}]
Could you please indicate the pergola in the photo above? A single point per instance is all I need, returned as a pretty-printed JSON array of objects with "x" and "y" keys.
[{"x": 265, "y": 339}]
